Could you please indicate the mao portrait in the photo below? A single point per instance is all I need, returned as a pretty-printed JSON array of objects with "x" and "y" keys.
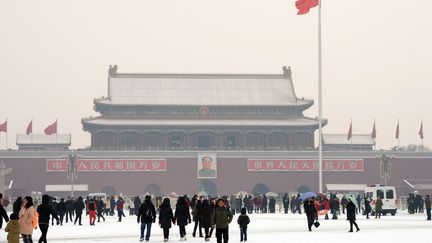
[{"x": 207, "y": 166}]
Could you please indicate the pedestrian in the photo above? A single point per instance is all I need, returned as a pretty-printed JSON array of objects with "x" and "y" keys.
[
  {"x": 54, "y": 205},
  {"x": 79, "y": 206},
  {"x": 221, "y": 218},
  {"x": 120, "y": 205},
  {"x": 351, "y": 215},
  {"x": 131, "y": 207},
  {"x": 45, "y": 210},
  {"x": 196, "y": 218},
  {"x": 182, "y": 217},
  {"x": 243, "y": 221},
  {"x": 3, "y": 214},
  {"x": 166, "y": 216},
  {"x": 26, "y": 215},
  {"x": 146, "y": 216},
  {"x": 205, "y": 213},
  {"x": 17, "y": 205},
  {"x": 70, "y": 209},
  {"x": 100, "y": 209},
  {"x": 368, "y": 208},
  {"x": 91, "y": 206},
  {"x": 311, "y": 213},
  {"x": 13, "y": 229},
  {"x": 108, "y": 206},
  {"x": 61, "y": 210},
  {"x": 285, "y": 201},
  {"x": 378, "y": 207},
  {"x": 427, "y": 202}
]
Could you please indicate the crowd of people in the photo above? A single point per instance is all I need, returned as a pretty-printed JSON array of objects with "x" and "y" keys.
[{"x": 207, "y": 213}]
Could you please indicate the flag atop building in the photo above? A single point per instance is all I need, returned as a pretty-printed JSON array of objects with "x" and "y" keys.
[
  {"x": 397, "y": 131},
  {"x": 3, "y": 127},
  {"x": 421, "y": 130},
  {"x": 350, "y": 132},
  {"x": 304, "y": 6},
  {"x": 51, "y": 129},
  {"x": 29, "y": 129},
  {"x": 373, "y": 131}
]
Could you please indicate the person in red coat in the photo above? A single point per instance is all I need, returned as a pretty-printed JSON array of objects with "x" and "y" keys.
[{"x": 92, "y": 211}]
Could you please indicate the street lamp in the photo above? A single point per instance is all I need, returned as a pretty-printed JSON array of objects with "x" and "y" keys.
[
  {"x": 385, "y": 165},
  {"x": 72, "y": 169}
]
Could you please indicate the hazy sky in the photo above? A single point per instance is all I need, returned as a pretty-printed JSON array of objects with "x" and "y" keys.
[{"x": 54, "y": 56}]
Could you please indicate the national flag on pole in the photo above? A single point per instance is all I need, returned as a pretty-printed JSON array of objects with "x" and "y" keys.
[
  {"x": 350, "y": 132},
  {"x": 421, "y": 130},
  {"x": 373, "y": 131},
  {"x": 304, "y": 6},
  {"x": 29, "y": 129},
  {"x": 51, "y": 129},
  {"x": 3, "y": 127},
  {"x": 397, "y": 131}
]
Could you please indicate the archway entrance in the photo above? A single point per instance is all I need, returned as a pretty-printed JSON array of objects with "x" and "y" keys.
[
  {"x": 153, "y": 189},
  {"x": 260, "y": 188},
  {"x": 109, "y": 190},
  {"x": 207, "y": 186}
]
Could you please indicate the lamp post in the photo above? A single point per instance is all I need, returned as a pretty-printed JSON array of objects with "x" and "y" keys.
[
  {"x": 72, "y": 169},
  {"x": 385, "y": 165}
]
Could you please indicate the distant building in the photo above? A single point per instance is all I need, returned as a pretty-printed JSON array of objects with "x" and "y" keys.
[
  {"x": 43, "y": 142},
  {"x": 340, "y": 142},
  {"x": 201, "y": 111}
]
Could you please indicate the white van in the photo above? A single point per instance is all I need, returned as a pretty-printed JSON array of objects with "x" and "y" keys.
[
  {"x": 98, "y": 195},
  {"x": 386, "y": 193}
]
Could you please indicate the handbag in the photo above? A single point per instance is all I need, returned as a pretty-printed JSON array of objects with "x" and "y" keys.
[{"x": 316, "y": 224}]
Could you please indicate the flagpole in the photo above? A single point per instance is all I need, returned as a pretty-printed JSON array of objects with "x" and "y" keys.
[
  {"x": 422, "y": 136},
  {"x": 31, "y": 138},
  {"x": 320, "y": 159},
  {"x": 56, "y": 130},
  {"x": 374, "y": 140},
  {"x": 398, "y": 135},
  {"x": 6, "y": 135}
]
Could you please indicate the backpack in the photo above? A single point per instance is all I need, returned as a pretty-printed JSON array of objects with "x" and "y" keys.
[{"x": 35, "y": 220}]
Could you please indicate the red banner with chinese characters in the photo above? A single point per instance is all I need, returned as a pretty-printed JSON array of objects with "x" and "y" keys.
[
  {"x": 355, "y": 165},
  {"x": 108, "y": 165}
]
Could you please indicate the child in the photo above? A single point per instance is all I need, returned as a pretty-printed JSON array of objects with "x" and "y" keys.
[
  {"x": 243, "y": 220},
  {"x": 13, "y": 229}
]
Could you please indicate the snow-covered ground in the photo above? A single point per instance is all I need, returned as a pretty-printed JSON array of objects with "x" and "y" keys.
[{"x": 263, "y": 228}]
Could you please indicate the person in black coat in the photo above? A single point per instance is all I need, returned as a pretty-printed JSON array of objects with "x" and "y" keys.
[
  {"x": 70, "y": 209},
  {"x": 100, "y": 207},
  {"x": 79, "y": 206},
  {"x": 182, "y": 216},
  {"x": 311, "y": 213},
  {"x": 196, "y": 218},
  {"x": 61, "y": 209},
  {"x": 3, "y": 214},
  {"x": 205, "y": 213},
  {"x": 17, "y": 205},
  {"x": 351, "y": 215},
  {"x": 285, "y": 201},
  {"x": 54, "y": 205},
  {"x": 166, "y": 216},
  {"x": 243, "y": 221},
  {"x": 45, "y": 210},
  {"x": 368, "y": 207},
  {"x": 147, "y": 216}
]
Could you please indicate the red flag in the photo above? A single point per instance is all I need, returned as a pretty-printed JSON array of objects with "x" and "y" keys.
[
  {"x": 29, "y": 129},
  {"x": 421, "y": 131},
  {"x": 51, "y": 129},
  {"x": 304, "y": 6},
  {"x": 3, "y": 127},
  {"x": 350, "y": 132},
  {"x": 373, "y": 131},
  {"x": 397, "y": 131}
]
